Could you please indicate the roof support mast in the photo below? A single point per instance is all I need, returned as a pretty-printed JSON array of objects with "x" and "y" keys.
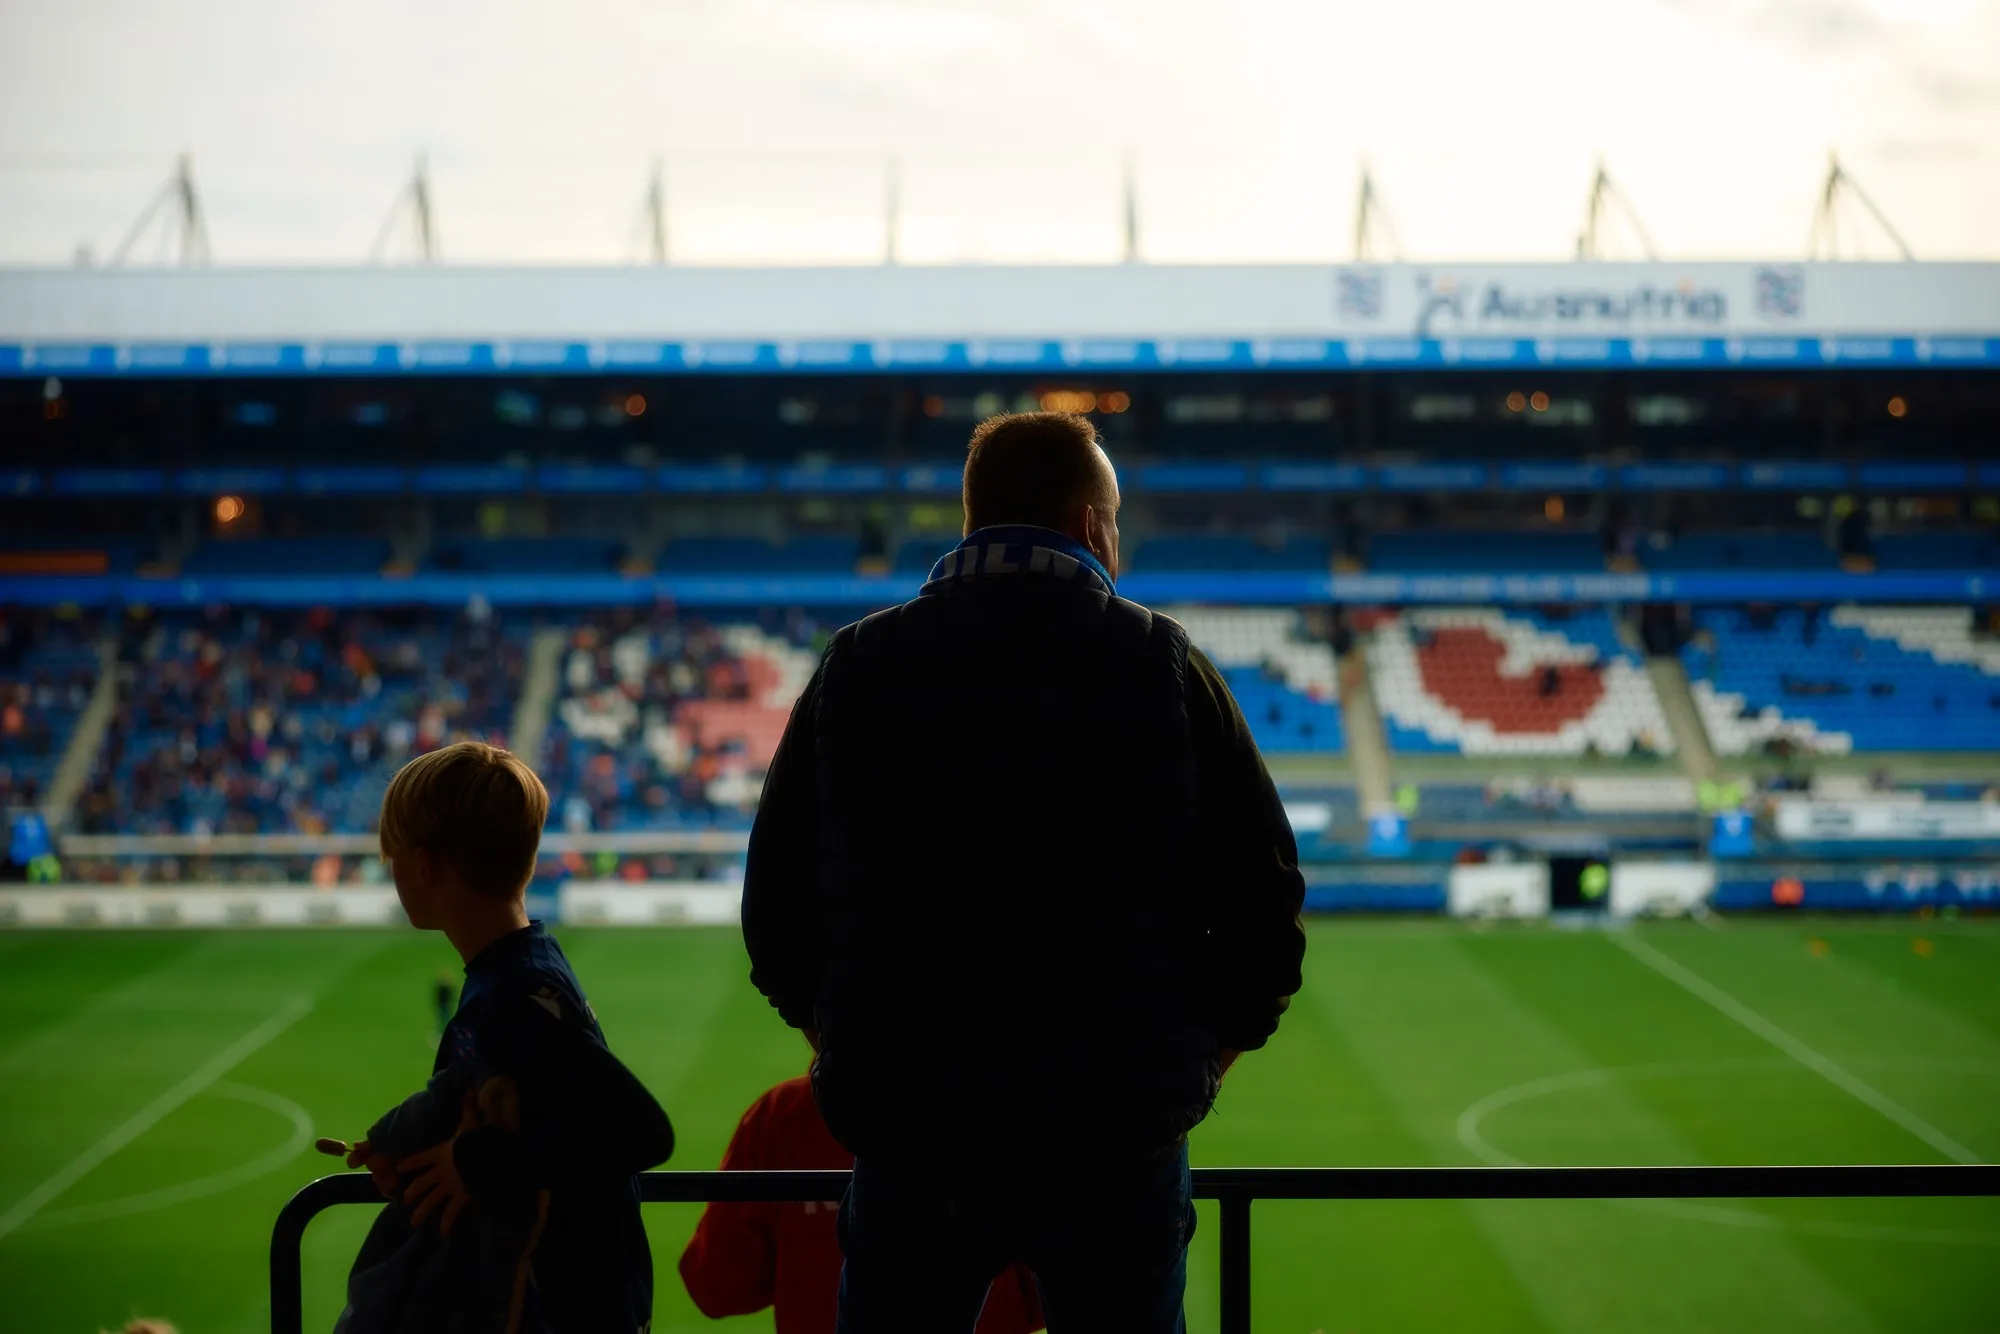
[
  {"x": 653, "y": 215},
  {"x": 1605, "y": 198},
  {"x": 1824, "y": 242},
  {"x": 413, "y": 204},
  {"x": 184, "y": 227},
  {"x": 1370, "y": 218}
]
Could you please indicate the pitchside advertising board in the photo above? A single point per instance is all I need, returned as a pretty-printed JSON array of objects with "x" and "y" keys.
[
  {"x": 1131, "y": 317},
  {"x": 1517, "y": 889},
  {"x": 1577, "y": 884},
  {"x": 1887, "y": 821},
  {"x": 611, "y": 903}
]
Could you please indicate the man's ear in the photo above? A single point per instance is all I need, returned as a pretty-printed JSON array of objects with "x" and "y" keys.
[{"x": 1093, "y": 532}]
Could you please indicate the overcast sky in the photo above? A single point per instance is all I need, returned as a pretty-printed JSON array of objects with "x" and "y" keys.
[{"x": 1012, "y": 119}]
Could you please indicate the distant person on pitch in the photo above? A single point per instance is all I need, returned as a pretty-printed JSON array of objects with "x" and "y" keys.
[
  {"x": 747, "y": 1256},
  {"x": 1021, "y": 877},
  {"x": 444, "y": 998},
  {"x": 510, "y": 1175}
]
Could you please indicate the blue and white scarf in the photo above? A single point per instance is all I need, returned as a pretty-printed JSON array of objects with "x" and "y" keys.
[{"x": 1018, "y": 549}]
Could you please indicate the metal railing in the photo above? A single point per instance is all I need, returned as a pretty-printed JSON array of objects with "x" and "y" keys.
[{"x": 1236, "y": 1187}]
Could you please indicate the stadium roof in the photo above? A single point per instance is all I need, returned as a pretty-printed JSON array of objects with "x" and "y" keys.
[{"x": 432, "y": 319}]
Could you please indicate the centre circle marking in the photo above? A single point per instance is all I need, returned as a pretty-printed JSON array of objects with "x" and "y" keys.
[
  {"x": 1471, "y": 1136},
  {"x": 201, "y": 1187}
]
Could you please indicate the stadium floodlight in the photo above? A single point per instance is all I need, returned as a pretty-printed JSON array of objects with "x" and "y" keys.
[
  {"x": 1369, "y": 219},
  {"x": 413, "y": 204},
  {"x": 182, "y": 227},
  {"x": 1824, "y": 242},
  {"x": 1604, "y": 198}
]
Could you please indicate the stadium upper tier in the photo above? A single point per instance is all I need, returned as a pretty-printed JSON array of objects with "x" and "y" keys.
[
  {"x": 1283, "y": 558},
  {"x": 1855, "y": 679},
  {"x": 1214, "y": 475}
]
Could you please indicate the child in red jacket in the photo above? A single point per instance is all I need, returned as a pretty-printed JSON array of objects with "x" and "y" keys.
[{"x": 745, "y": 1257}]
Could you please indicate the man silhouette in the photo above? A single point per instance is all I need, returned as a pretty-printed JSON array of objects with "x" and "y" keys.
[{"x": 1021, "y": 877}]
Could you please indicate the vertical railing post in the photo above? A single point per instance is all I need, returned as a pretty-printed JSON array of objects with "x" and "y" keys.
[
  {"x": 1236, "y": 1262},
  {"x": 287, "y": 1244},
  {"x": 288, "y": 1236}
]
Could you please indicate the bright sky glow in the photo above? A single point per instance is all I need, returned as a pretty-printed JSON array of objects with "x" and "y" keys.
[{"x": 1012, "y": 121}]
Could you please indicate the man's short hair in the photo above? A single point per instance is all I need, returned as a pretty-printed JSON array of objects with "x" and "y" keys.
[
  {"x": 475, "y": 807},
  {"x": 1032, "y": 468}
]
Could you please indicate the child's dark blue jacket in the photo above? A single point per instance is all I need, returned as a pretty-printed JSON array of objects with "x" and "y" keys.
[{"x": 553, "y": 1237}]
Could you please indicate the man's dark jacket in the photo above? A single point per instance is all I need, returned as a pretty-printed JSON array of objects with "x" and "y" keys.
[{"x": 1020, "y": 864}]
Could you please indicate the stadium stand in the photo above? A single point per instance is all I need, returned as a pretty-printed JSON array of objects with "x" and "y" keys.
[
  {"x": 252, "y": 721},
  {"x": 527, "y": 555},
  {"x": 1741, "y": 549},
  {"x": 48, "y": 665},
  {"x": 918, "y": 554},
  {"x": 1486, "y": 682},
  {"x": 296, "y": 555},
  {"x": 27, "y": 553},
  {"x": 1859, "y": 679},
  {"x": 1514, "y": 552},
  {"x": 754, "y": 555},
  {"x": 1961, "y": 549},
  {"x": 666, "y": 723},
  {"x": 1230, "y": 553},
  {"x": 1286, "y": 682}
]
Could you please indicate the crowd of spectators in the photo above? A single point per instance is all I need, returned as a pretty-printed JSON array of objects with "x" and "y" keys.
[
  {"x": 241, "y": 721},
  {"x": 48, "y": 667},
  {"x": 666, "y": 721}
]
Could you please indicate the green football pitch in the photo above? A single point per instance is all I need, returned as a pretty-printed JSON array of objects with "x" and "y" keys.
[{"x": 158, "y": 1095}]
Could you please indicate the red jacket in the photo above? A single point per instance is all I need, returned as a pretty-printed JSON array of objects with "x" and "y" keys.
[{"x": 745, "y": 1257}]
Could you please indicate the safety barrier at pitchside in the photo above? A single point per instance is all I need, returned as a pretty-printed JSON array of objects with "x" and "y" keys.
[{"x": 1236, "y": 1187}]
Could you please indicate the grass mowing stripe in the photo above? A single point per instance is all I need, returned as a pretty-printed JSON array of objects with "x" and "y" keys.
[
  {"x": 1701, "y": 988},
  {"x": 152, "y": 1113}
]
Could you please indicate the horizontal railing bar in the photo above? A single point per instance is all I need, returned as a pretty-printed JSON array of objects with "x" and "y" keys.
[
  {"x": 1237, "y": 1186},
  {"x": 1371, "y": 1183},
  {"x": 1597, "y": 1183}
]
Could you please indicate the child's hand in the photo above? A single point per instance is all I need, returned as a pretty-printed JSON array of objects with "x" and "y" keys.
[
  {"x": 436, "y": 1185},
  {"x": 378, "y": 1166}
]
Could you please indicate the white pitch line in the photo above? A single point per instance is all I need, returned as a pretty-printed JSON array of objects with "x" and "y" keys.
[
  {"x": 1823, "y": 1066},
  {"x": 153, "y": 1113}
]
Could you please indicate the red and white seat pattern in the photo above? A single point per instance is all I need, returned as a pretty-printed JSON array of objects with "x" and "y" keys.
[{"x": 1476, "y": 681}]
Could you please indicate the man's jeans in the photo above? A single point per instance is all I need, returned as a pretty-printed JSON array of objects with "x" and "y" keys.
[{"x": 1108, "y": 1257}]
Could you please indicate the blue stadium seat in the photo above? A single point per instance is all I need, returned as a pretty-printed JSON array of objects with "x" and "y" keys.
[
  {"x": 1283, "y": 720},
  {"x": 918, "y": 554},
  {"x": 1967, "y": 549},
  {"x": 1201, "y": 552},
  {"x": 822, "y": 555},
  {"x": 720, "y": 555},
  {"x": 1742, "y": 549},
  {"x": 526, "y": 555},
  {"x": 288, "y": 555},
  {"x": 1511, "y": 552},
  {"x": 262, "y": 721},
  {"x": 1884, "y": 691}
]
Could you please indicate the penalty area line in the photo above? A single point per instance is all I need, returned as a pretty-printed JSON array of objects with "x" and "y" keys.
[
  {"x": 153, "y": 1113},
  {"x": 1823, "y": 1066}
]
